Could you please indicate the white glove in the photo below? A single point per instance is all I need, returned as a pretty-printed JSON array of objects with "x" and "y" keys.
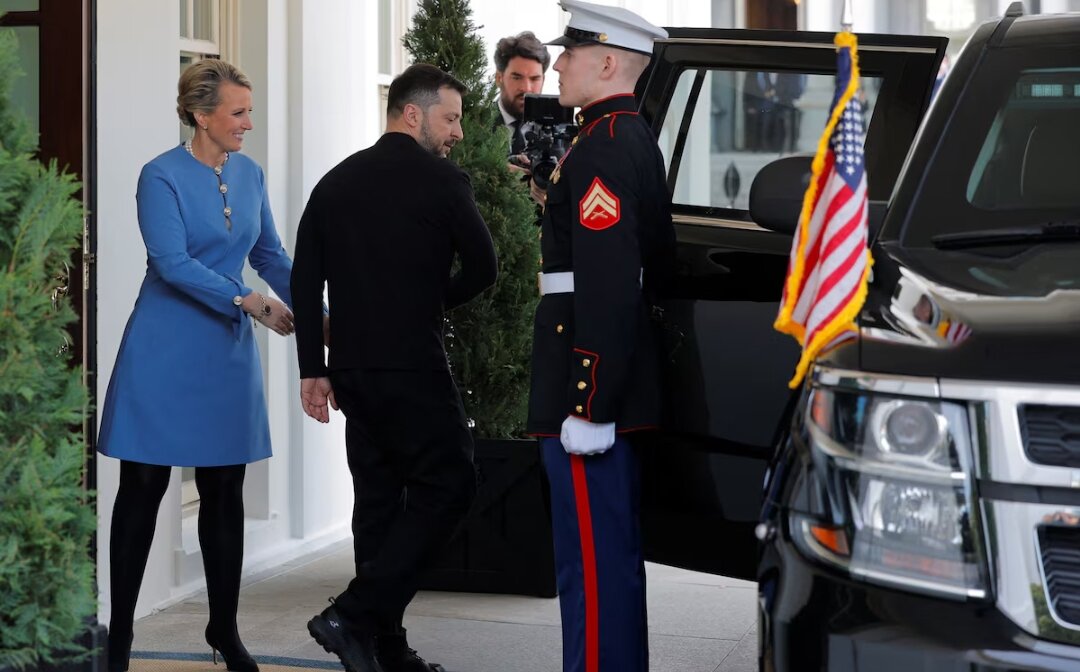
[{"x": 581, "y": 437}]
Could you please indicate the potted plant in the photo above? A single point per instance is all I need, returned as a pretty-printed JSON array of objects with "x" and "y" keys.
[
  {"x": 47, "y": 519},
  {"x": 505, "y": 545}
]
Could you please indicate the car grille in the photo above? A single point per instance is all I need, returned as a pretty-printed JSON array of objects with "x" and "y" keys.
[
  {"x": 1051, "y": 434},
  {"x": 1059, "y": 547}
]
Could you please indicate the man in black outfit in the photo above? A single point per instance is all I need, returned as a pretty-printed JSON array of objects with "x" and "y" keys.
[{"x": 382, "y": 229}]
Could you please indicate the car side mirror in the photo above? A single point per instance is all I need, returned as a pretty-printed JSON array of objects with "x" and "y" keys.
[{"x": 776, "y": 195}]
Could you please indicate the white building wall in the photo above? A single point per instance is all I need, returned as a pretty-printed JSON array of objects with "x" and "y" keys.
[{"x": 136, "y": 120}]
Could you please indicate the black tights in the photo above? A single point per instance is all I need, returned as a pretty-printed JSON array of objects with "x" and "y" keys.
[{"x": 221, "y": 536}]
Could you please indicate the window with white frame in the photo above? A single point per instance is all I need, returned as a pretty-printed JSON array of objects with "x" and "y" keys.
[{"x": 200, "y": 28}]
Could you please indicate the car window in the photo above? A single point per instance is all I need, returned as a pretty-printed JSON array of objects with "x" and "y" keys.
[
  {"x": 723, "y": 126},
  {"x": 1010, "y": 155},
  {"x": 1028, "y": 159}
]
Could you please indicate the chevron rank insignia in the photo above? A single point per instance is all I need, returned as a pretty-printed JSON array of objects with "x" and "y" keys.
[{"x": 599, "y": 208}]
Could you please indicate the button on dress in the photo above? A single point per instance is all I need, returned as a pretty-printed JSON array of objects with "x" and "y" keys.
[{"x": 187, "y": 387}]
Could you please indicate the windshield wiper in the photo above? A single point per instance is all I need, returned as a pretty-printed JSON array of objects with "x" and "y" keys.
[{"x": 1040, "y": 233}]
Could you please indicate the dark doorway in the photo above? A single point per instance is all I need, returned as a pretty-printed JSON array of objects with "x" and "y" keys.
[{"x": 774, "y": 14}]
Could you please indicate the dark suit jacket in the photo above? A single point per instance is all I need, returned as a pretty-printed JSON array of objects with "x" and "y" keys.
[{"x": 381, "y": 229}]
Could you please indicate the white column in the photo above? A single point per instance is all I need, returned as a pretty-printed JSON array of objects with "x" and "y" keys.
[{"x": 332, "y": 112}]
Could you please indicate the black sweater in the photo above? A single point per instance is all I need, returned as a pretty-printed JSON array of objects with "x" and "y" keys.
[{"x": 381, "y": 229}]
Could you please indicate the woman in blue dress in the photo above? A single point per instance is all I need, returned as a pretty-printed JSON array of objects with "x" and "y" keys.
[{"x": 187, "y": 386}]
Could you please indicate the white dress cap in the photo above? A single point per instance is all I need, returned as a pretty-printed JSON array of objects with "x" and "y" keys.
[{"x": 591, "y": 23}]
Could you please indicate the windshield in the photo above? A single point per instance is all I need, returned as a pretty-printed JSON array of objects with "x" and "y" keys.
[{"x": 1011, "y": 155}]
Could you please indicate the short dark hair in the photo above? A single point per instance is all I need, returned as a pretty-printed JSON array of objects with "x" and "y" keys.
[
  {"x": 419, "y": 85},
  {"x": 524, "y": 45}
]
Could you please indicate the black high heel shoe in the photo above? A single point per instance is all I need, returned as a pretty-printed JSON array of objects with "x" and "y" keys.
[{"x": 232, "y": 651}]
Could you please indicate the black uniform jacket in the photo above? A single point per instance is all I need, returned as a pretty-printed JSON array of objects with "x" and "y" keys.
[
  {"x": 608, "y": 220},
  {"x": 381, "y": 230}
]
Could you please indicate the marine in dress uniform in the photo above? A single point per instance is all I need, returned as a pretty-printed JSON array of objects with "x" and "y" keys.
[{"x": 607, "y": 243}]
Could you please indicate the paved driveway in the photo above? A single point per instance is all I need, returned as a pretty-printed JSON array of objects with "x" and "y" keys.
[{"x": 697, "y": 622}]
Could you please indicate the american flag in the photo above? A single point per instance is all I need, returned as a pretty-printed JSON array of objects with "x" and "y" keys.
[{"x": 829, "y": 263}]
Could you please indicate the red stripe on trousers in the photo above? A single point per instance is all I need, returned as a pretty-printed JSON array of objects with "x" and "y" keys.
[{"x": 588, "y": 564}]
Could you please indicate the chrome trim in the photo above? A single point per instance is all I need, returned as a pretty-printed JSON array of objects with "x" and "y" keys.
[
  {"x": 874, "y": 382},
  {"x": 997, "y": 406},
  {"x": 922, "y": 586},
  {"x": 801, "y": 45},
  {"x": 1019, "y": 566},
  {"x": 697, "y": 220},
  {"x": 1045, "y": 586}
]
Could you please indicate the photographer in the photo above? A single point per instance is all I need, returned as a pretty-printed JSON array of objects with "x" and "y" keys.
[
  {"x": 520, "y": 63},
  {"x": 607, "y": 244},
  {"x": 549, "y": 132}
]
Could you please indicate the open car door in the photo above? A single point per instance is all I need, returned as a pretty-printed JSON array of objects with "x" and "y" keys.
[{"x": 724, "y": 104}]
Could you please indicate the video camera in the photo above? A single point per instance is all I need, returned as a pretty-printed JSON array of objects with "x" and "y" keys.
[{"x": 549, "y": 129}]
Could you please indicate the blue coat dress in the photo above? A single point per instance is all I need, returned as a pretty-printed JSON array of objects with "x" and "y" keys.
[{"x": 187, "y": 386}]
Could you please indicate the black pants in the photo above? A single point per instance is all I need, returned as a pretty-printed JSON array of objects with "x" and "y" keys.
[
  {"x": 410, "y": 455},
  {"x": 221, "y": 537}
]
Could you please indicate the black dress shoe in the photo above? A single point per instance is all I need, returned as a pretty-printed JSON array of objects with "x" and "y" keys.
[
  {"x": 394, "y": 654},
  {"x": 356, "y": 651}
]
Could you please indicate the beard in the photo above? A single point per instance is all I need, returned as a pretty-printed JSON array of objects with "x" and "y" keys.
[
  {"x": 430, "y": 142},
  {"x": 515, "y": 106}
]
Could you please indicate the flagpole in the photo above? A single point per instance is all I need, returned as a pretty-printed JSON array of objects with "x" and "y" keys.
[{"x": 847, "y": 17}]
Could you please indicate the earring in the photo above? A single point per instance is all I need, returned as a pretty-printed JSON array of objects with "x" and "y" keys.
[{"x": 204, "y": 128}]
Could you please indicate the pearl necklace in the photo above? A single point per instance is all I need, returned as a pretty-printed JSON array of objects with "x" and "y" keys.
[
  {"x": 222, "y": 187},
  {"x": 217, "y": 169}
]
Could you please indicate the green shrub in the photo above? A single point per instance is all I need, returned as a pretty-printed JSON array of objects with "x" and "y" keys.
[
  {"x": 46, "y": 519},
  {"x": 489, "y": 340}
]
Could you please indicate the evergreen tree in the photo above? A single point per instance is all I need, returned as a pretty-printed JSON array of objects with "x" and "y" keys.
[
  {"x": 46, "y": 519},
  {"x": 489, "y": 340}
]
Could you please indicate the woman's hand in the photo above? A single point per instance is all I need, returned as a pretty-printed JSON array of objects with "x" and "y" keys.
[{"x": 270, "y": 312}]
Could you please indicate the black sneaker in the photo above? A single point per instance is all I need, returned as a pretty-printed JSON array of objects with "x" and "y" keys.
[
  {"x": 357, "y": 652},
  {"x": 393, "y": 653}
]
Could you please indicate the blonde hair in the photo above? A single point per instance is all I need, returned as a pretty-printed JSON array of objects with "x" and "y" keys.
[{"x": 200, "y": 84}]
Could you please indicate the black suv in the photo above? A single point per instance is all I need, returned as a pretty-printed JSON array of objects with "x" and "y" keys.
[{"x": 916, "y": 504}]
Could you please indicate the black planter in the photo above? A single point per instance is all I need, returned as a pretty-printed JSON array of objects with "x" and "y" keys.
[
  {"x": 504, "y": 546},
  {"x": 93, "y": 639}
]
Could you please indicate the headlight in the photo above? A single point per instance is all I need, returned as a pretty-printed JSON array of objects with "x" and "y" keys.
[{"x": 895, "y": 476}]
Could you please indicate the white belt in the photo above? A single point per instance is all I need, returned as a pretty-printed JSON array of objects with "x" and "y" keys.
[
  {"x": 555, "y": 283},
  {"x": 561, "y": 283}
]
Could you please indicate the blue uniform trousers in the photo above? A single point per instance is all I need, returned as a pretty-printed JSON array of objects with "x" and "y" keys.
[{"x": 599, "y": 567}]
